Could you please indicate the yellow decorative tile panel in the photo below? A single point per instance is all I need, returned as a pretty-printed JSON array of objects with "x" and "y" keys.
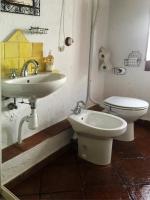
[
  {"x": 21, "y": 61},
  {"x": 25, "y": 50},
  {"x": 1, "y": 57},
  {"x": 1, "y": 50},
  {"x": 18, "y": 36},
  {"x": 16, "y": 51},
  {"x": 9, "y": 64},
  {"x": 37, "y": 50},
  {"x": 11, "y": 50}
]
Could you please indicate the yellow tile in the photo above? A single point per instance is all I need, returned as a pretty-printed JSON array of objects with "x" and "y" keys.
[
  {"x": 6, "y": 72},
  {"x": 17, "y": 50},
  {"x": 42, "y": 68},
  {"x": 1, "y": 56},
  {"x": 11, "y": 50},
  {"x": 14, "y": 63},
  {"x": 37, "y": 50},
  {"x": 2, "y": 68},
  {"x": 17, "y": 36},
  {"x": 42, "y": 65},
  {"x": 21, "y": 62},
  {"x": 25, "y": 50},
  {"x": 2, "y": 63},
  {"x": 1, "y": 50},
  {"x": 9, "y": 64}
]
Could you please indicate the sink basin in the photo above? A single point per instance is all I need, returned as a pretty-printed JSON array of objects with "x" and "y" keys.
[{"x": 34, "y": 86}]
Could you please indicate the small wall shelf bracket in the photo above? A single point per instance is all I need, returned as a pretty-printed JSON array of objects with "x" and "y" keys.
[{"x": 38, "y": 30}]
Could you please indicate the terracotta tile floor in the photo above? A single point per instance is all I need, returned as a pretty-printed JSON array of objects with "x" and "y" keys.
[{"x": 68, "y": 177}]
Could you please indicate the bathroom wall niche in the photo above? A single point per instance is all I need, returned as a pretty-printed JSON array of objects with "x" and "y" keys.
[{"x": 26, "y": 7}]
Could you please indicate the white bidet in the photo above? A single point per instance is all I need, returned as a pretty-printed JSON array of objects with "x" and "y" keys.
[{"x": 96, "y": 131}]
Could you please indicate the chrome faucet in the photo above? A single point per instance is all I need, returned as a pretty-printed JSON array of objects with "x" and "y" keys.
[
  {"x": 80, "y": 105},
  {"x": 24, "y": 71}
]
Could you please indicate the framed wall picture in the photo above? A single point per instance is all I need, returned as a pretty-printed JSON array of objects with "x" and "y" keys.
[{"x": 27, "y": 7}]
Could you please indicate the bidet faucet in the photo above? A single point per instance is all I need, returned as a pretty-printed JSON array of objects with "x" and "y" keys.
[
  {"x": 80, "y": 105},
  {"x": 24, "y": 71}
]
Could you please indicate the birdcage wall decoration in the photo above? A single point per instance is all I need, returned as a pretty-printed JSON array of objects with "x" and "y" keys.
[{"x": 134, "y": 59}]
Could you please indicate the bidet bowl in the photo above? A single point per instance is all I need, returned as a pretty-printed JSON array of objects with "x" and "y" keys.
[
  {"x": 34, "y": 86},
  {"x": 96, "y": 131},
  {"x": 97, "y": 124}
]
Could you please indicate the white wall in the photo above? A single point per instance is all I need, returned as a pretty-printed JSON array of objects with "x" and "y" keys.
[
  {"x": 73, "y": 61},
  {"x": 128, "y": 30}
]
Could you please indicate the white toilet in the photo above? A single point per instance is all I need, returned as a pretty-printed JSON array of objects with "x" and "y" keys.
[
  {"x": 129, "y": 109},
  {"x": 95, "y": 132}
]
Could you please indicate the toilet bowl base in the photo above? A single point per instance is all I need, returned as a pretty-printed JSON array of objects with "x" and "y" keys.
[
  {"x": 94, "y": 150},
  {"x": 128, "y": 135}
]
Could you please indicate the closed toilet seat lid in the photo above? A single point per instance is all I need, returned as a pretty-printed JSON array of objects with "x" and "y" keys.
[{"x": 126, "y": 103}]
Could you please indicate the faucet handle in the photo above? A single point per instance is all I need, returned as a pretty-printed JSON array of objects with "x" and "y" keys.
[
  {"x": 36, "y": 69},
  {"x": 13, "y": 73},
  {"x": 81, "y": 104}
]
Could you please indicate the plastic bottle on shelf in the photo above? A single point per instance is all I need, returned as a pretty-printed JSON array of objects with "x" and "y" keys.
[{"x": 49, "y": 61}]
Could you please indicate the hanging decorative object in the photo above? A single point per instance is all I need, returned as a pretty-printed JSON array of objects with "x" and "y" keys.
[
  {"x": 61, "y": 45},
  {"x": 63, "y": 39},
  {"x": 69, "y": 41},
  {"x": 26, "y": 7}
]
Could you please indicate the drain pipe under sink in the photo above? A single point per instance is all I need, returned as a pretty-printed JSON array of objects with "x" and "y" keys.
[{"x": 32, "y": 120}]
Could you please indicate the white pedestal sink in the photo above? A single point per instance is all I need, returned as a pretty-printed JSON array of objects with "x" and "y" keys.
[{"x": 34, "y": 86}]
